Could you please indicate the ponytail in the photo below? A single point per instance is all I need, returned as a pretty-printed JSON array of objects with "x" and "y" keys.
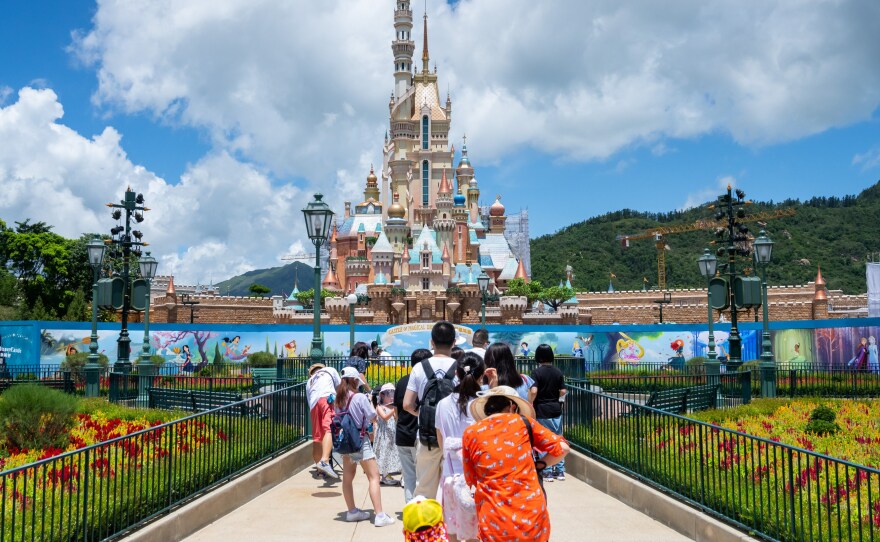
[{"x": 469, "y": 370}]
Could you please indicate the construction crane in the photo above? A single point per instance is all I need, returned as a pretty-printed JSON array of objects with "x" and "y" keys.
[
  {"x": 306, "y": 257},
  {"x": 659, "y": 235}
]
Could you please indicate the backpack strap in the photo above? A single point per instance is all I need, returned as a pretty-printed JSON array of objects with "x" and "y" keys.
[{"x": 429, "y": 371}]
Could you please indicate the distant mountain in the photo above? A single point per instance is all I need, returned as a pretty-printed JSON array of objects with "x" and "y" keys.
[
  {"x": 836, "y": 233},
  {"x": 279, "y": 279}
]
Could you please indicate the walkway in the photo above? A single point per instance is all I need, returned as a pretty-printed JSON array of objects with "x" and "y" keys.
[{"x": 306, "y": 509}]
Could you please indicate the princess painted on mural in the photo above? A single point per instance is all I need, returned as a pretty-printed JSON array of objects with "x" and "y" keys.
[
  {"x": 873, "y": 363},
  {"x": 629, "y": 351},
  {"x": 859, "y": 362},
  {"x": 231, "y": 346}
]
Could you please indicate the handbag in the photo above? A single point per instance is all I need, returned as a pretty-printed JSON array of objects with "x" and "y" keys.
[
  {"x": 459, "y": 507},
  {"x": 539, "y": 464}
]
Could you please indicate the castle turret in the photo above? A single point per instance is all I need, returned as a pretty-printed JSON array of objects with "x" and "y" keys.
[
  {"x": 497, "y": 218},
  {"x": 444, "y": 224},
  {"x": 372, "y": 190},
  {"x": 464, "y": 172},
  {"x": 403, "y": 47}
]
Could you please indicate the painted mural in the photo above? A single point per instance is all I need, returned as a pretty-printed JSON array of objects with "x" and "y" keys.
[{"x": 190, "y": 347}]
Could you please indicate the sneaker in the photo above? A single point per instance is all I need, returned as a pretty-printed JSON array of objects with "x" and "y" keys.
[
  {"x": 548, "y": 476},
  {"x": 560, "y": 476},
  {"x": 382, "y": 520},
  {"x": 356, "y": 515},
  {"x": 325, "y": 467}
]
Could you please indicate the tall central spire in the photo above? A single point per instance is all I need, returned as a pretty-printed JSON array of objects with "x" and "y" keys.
[{"x": 425, "y": 57}]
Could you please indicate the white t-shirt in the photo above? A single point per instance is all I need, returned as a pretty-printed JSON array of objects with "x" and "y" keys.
[
  {"x": 417, "y": 378},
  {"x": 478, "y": 350},
  {"x": 322, "y": 384},
  {"x": 448, "y": 418}
]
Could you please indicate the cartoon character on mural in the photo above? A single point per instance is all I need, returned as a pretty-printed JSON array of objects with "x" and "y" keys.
[
  {"x": 859, "y": 362},
  {"x": 232, "y": 352},
  {"x": 797, "y": 358},
  {"x": 677, "y": 361},
  {"x": 629, "y": 351},
  {"x": 576, "y": 349},
  {"x": 290, "y": 349}
]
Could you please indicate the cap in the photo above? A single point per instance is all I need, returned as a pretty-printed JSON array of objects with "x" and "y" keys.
[
  {"x": 420, "y": 513},
  {"x": 388, "y": 386},
  {"x": 350, "y": 372}
]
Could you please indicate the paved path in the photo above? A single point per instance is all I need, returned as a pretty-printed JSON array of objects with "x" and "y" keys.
[{"x": 306, "y": 509}]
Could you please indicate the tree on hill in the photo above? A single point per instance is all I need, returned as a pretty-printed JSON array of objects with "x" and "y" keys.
[
  {"x": 554, "y": 296},
  {"x": 259, "y": 289}
]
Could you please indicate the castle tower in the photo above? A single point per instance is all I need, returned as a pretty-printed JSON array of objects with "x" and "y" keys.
[
  {"x": 496, "y": 216},
  {"x": 371, "y": 192},
  {"x": 444, "y": 224},
  {"x": 464, "y": 172},
  {"x": 461, "y": 236},
  {"x": 382, "y": 258},
  {"x": 403, "y": 48}
]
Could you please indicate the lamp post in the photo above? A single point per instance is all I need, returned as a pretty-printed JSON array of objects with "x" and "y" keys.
[
  {"x": 318, "y": 216},
  {"x": 95, "y": 250},
  {"x": 146, "y": 369},
  {"x": 188, "y": 302},
  {"x": 483, "y": 281},
  {"x": 763, "y": 250},
  {"x": 352, "y": 301},
  {"x": 733, "y": 234},
  {"x": 132, "y": 206},
  {"x": 708, "y": 264}
]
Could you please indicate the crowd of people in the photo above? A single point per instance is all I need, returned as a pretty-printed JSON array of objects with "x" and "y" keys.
[{"x": 472, "y": 438}]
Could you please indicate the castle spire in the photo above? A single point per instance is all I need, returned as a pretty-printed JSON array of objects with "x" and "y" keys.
[{"x": 425, "y": 57}]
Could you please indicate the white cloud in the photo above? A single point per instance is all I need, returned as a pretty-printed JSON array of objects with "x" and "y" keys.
[
  {"x": 301, "y": 87},
  {"x": 223, "y": 217},
  {"x": 868, "y": 159},
  {"x": 705, "y": 195}
]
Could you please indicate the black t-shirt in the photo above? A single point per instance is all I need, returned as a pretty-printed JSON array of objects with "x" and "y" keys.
[
  {"x": 549, "y": 380},
  {"x": 407, "y": 424}
]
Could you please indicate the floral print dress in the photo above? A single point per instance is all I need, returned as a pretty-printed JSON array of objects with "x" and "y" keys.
[
  {"x": 498, "y": 461},
  {"x": 386, "y": 451}
]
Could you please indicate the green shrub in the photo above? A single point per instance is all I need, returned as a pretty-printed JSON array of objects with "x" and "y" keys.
[
  {"x": 262, "y": 359},
  {"x": 822, "y": 421},
  {"x": 36, "y": 417},
  {"x": 155, "y": 359},
  {"x": 748, "y": 366},
  {"x": 75, "y": 363},
  {"x": 206, "y": 371},
  {"x": 695, "y": 361},
  {"x": 26, "y": 376}
]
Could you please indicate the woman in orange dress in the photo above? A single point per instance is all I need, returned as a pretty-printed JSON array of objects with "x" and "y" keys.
[{"x": 498, "y": 460}]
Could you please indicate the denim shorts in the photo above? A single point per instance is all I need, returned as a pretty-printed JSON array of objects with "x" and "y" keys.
[{"x": 365, "y": 454}]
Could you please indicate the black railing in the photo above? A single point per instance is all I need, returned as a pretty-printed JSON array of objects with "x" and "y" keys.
[
  {"x": 132, "y": 389},
  {"x": 735, "y": 388},
  {"x": 777, "y": 491},
  {"x": 106, "y": 490},
  {"x": 791, "y": 382}
]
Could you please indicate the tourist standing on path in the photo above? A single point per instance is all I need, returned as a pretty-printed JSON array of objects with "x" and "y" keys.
[
  {"x": 428, "y": 454},
  {"x": 358, "y": 359},
  {"x": 501, "y": 371},
  {"x": 386, "y": 424},
  {"x": 319, "y": 388},
  {"x": 549, "y": 391},
  {"x": 407, "y": 429},
  {"x": 453, "y": 417},
  {"x": 361, "y": 410},
  {"x": 498, "y": 460},
  {"x": 480, "y": 341}
]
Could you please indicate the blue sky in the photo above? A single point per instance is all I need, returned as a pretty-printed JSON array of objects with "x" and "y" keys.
[{"x": 241, "y": 109}]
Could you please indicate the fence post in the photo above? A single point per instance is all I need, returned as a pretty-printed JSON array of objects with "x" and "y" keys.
[
  {"x": 792, "y": 382},
  {"x": 745, "y": 387},
  {"x": 279, "y": 368}
]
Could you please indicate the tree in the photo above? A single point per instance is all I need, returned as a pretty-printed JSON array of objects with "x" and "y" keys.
[
  {"x": 556, "y": 295},
  {"x": 307, "y": 297},
  {"x": 78, "y": 309},
  {"x": 259, "y": 289},
  {"x": 519, "y": 287}
]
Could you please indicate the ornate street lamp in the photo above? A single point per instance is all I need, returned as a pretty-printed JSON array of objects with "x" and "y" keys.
[
  {"x": 352, "y": 302},
  {"x": 708, "y": 264},
  {"x": 95, "y": 249},
  {"x": 483, "y": 281},
  {"x": 763, "y": 251},
  {"x": 146, "y": 369},
  {"x": 318, "y": 216}
]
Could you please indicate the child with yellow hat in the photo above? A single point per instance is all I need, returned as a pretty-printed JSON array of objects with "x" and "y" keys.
[{"x": 423, "y": 521}]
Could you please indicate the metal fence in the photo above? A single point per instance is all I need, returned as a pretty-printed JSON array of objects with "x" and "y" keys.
[
  {"x": 735, "y": 388},
  {"x": 131, "y": 389},
  {"x": 800, "y": 382},
  {"x": 776, "y": 491},
  {"x": 106, "y": 490}
]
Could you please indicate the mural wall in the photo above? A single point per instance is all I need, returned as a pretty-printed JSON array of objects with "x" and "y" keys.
[{"x": 839, "y": 343}]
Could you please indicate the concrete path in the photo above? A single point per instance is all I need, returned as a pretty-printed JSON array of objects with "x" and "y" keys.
[{"x": 307, "y": 509}]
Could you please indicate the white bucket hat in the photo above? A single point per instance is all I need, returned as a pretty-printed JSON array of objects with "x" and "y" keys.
[{"x": 478, "y": 406}]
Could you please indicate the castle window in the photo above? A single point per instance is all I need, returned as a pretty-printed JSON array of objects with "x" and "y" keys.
[
  {"x": 425, "y": 181},
  {"x": 426, "y": 261},
  {"x": 425, "y": 139},
  {"x": 426, "y": 284}
]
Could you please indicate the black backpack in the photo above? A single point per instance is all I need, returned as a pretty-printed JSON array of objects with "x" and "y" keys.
[{"x": 435, "y": 390}]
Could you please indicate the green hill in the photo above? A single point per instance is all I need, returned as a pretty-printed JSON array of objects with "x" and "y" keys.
[
  {"x": 279, "y": 280},
  {"x": 836, "y": 233}
]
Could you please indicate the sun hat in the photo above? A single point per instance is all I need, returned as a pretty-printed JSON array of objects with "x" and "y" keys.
[
  {"x": 421, "y": 513},
  {"x": 388, "y": 386},
  {"x": 314, "y": 367},
  {"x": 351, "y": 372},
  {"x": 478, "y": 406}
]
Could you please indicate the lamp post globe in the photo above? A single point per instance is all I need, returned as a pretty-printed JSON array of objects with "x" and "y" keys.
[
  {"x": 352, "y": 299},
  {"x": 483, "y": 282},
  {"x": 318, "y": 217},
  {"x": 763, "y": 252},
  {"x": 95, "y": 249}
]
